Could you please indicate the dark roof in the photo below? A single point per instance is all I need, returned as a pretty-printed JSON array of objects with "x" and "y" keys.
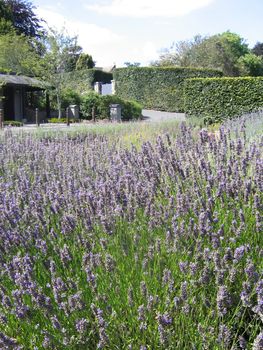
[
  {"x": 22, "y": 80},
  {"x": 108, "y": 69}
]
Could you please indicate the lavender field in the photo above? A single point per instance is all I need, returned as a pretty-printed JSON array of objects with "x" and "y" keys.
[{"x": 157, "y": 245}]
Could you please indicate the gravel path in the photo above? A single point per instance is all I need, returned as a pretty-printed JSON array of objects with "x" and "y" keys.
[
  {"x": 157, "y": 116},
  {"x": 148, "y": 116}
]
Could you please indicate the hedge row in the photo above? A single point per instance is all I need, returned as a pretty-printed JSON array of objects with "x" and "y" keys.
[
  {"x": 219, "y": 98},
  {"x": 83, "y": 80},
  {"x": 156, "y": 87},
  {"x": 12, "y": 123}
]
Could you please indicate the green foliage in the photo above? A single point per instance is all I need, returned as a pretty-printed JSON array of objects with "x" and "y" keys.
[
  {"x": 20, "y": 14},
  {"x": 220, "y": 51},
  {"x": 83, "y": 80},
  {"x": 4, "y": 11},
  {"x": 85, "y": 61},
  {"x": 216, "y": 99},
  {"x": 229, "y": 48},
  {"x": 65, "y": 53},
  {"x": 156, "y": 87},
  {"x": 70, "y": 97},
  {"x": 18, "y": 55},
  {"x": 184, "y": 53},
  {"x": 59, "y": 47},
  {"x": 251, "y": 65},
  {"x": 6, "y": 27},
  {"x": 73, "y": 53},
  {"x": 61, "y": 120},
  {"x": 59, "y": 65},
  {"x": 12, "y": 123},
  {"x": 90, "y": 100},
  {"x": 61, "y": 50},
  {"x": 258, "y": 49},
  {"x": 130, "y": 109},
  {"x": 5, "y": 70}
]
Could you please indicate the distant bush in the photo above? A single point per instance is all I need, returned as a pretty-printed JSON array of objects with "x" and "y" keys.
[
  {"x": 216, "y": 99},
  {"x": 158, "y": 88},
  {"x": 62, "y": 120},
  {"x": 70, "y": 97},
  {"x": 6, "y": 71},
  {"x": 130, "y": 109},
  {"x": 12, "y": 123},
  {"x": 89, "y": 101}
]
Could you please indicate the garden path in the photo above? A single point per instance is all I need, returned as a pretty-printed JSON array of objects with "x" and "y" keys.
[{"x": 158, "y": 116}]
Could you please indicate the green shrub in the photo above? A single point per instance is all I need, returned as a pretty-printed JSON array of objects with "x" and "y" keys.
[
  {"x": 215, "y": 99},
  {"x": 61, "y": 120},
  {"x": 158, "y": 88},
  {"x": 130, "y": 109},
  {"x": 135, "y": 109},
  {"x": 5, "y": 71},
  {"x": 70, "y": 97},
  {"x": 12, "y": 123},
  {"x": 104, "y": 105},
  {"x": 90, "y": 100}
]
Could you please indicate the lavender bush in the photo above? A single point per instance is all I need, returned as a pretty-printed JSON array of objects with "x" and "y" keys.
[{"x": 157, "y": 247}]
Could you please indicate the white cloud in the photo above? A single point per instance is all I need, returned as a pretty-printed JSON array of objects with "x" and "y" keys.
[
  {"x": 96, "y": 40},
  {"x": 105, "y": 46},
  {"x": 145, "y": 53},
  {"x": 87, "y": 32},
  {"x": 149, "y": 8}
]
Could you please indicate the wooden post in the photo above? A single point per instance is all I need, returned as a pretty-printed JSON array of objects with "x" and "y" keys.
[
  {"x": 67, "y": 116},
  {"x": 93, "y": 113},
  {"x": 47, "y": 105},
  {"x": 1, "y": 119},
  {"x": 37, "y": 117}
]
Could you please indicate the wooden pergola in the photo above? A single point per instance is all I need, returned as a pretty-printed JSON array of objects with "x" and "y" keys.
[{"x": 13, "y": 92}]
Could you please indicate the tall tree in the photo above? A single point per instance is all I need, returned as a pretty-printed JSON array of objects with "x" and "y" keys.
[
  {"x": 221, "y": 51},
  {"x": 85, "y": 61},
  {"x": 251, "y": 65},
  {"x": 18, "y": 55},
  {"x": 59, "y": 48},
  {"x": 73, "y": 53},
  {"x": 22, "y": 16},
  {"x": 4, "y": 11},
  {"x": 230, "y": 47},
  {"x": 183, "y": 53},
  {"x": 258, "y": 49}
]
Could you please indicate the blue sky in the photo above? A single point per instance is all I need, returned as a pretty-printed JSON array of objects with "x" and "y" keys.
[{"x": 118, "y": 31}]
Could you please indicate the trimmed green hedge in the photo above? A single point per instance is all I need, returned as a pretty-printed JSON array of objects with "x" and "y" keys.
[
  {"x": 6, "y": 71},
  {"x": 61, "y": 120},
  {"x": 83, "y": 80},
  {"x": 12, "y": 123},
  {"x": 216, "y": 99},
  {"x": 158, "y": 88}
]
